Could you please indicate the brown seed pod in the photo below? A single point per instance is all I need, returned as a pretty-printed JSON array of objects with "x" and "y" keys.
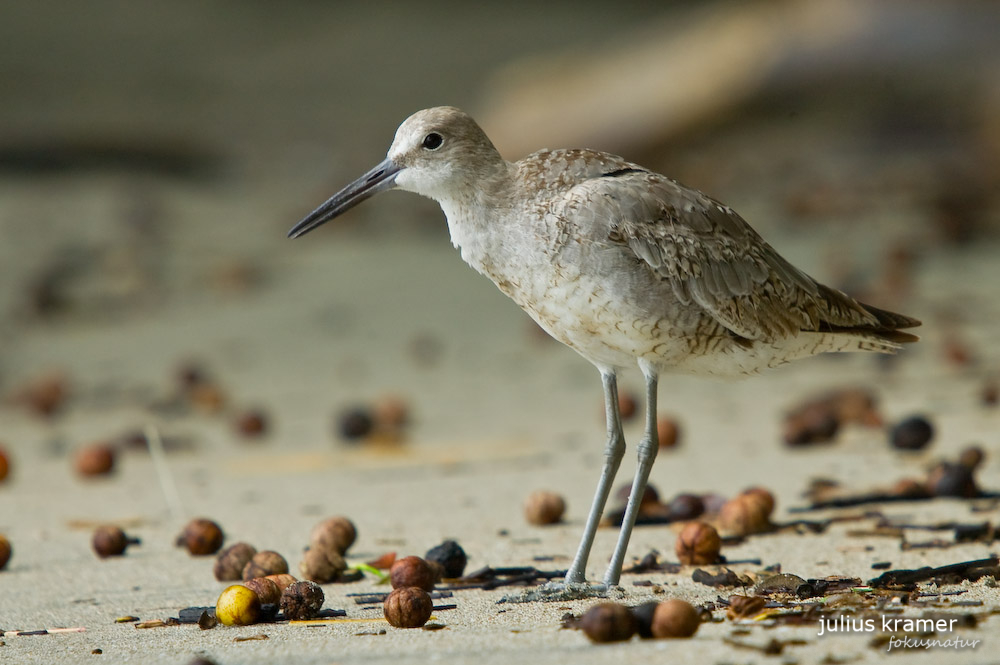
[
  {"x": 763, "y": 497},
  {"x": 207, "y": 397},
  {"x": 263, "y": 564},
  {"x": 407, "y": 607},
  {"x": 698, "y": 544},
  {"x": 542, "y": 508},
  {"x": 323, "y": 566},
  {"x": 301, "y": 600},
  {"x": 814, "y": 422},
  {"x": 202, "y": 537},
  {"x": 251, "y": 424},
  {"x": 45, "y": 395},
  {"x": 231, "y": 561},
  {"x": 989, "y": 394},
  {"x": 744, "y": 607},
  {"x": 608, "y": 622},
  {"x": 265, "y": 588},
  {"x": 109, "y": 540},
  {"x": 282, "y": 580},
  {"x": 412, "y": 571},
  {"x": 744, "y": 515},
  {"x": 97, "y": 459},
  {"x": 390, "y": 412},
  {"x": 5, "y": 551},
  {"x": 4, "y": 464},
  {"x": 675, "y": 618},
  {"x": 650, "y": 497},
  {"x": 668, "y": 431},
  {"x": 334, "y": 533},
  {"x": 627, "y": 405}
]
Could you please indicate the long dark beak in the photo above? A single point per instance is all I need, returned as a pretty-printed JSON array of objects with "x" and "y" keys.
[{"x": 380, "y": 178}]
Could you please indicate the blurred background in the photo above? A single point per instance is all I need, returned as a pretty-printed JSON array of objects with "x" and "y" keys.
[{"x": 153, "y": 155}]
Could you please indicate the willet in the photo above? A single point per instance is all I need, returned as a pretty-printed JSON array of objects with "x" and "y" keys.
[{"x": 623, "y": 265}]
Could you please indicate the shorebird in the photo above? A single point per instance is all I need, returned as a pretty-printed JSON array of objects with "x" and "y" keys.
[{"x": 623, "y": 265}]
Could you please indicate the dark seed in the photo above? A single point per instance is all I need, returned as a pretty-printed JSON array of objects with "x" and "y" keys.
[
  {"x": 450, "y": 556},
  {"x": 685, "y": 507},
  {"x": 355, "y": 424},
  {"x": 644, "y": 618},
  {"x": 912, "y": 434},
  {"x": 954, "y": 480}
]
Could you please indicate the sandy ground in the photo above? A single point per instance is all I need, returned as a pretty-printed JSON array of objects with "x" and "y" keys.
[{"x": 184, "y": 268}]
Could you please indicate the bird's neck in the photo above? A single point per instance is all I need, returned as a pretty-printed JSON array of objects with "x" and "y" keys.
[{"x": 477, "y": 219}]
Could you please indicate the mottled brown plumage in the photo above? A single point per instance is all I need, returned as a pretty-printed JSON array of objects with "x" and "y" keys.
[{"x": 624, "y": 265}]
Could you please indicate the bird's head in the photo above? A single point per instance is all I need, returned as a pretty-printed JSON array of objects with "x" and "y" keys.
[{"x": 439, "y": 153}]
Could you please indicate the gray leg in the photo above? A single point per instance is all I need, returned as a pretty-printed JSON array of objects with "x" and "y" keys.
[
  {"x": 647, "y": 455},
  {"x": 613, "y": 453}
]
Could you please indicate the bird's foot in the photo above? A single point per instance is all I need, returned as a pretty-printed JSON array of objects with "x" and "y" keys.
[{"x": 563, "y": 591}]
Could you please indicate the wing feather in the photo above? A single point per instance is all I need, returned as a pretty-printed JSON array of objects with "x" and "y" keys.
[{"x": 710, "y": 256}]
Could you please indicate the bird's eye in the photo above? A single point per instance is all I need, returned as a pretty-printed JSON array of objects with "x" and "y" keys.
[{"x": 433, "y": 141}]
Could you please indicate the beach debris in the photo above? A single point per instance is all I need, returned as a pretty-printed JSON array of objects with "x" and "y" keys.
[
  {"x": 323, "y": 565},
  {"x": 44, "y": 395},
  {"x": 95, "y": 459},
  {"x": 407, "y": 607},
  {"x": 391, "y": 415},
  {"x": 542, "y": 508},
  {"x": 747, "y": 513},
  {"x": 383, "y": 562},
  {"x": 744, "y": 607},
  {"x": 266, "y": 589},
  {"x": 698, "y": 544},
  {"x": 668, "y": 432},
  {"x": 819, "y": 419},
  {"x": 201, "y": 537},
  {"x": 5, "y": 551},
  {"x": 230, "y": 562},
  {"x": 913, "y": 433},
  {"x": 264, "y": 563},
  {"x": 42, "y": 631},
  {"x": 109, "y": 540},
  {"x": 355, "y": 423},
  {"x": 907, "y": 579},
  {"x": 207, "y": 621},
  {"x": 377, "y": 598},
  {"x": 4, "y": 464},
  {"x": 723, "y": 578},
  {"x": 301, "y": 600},
  {"x": 450, "y": 556},
  {"x": 251, "y": 423},
  {"x": 643, "y": 614},
  {"x": 334, "y": 533},
  {"x": 238, "y": 606},
  {"x": 951, "y": 479},
  {"x": 675, "y": 618},
  {"x": 608, "y": 622},
  {"x": 412, "y": 571},
  {"x": 650, "y": 563},
  {"x": 282, "y": 580}
]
